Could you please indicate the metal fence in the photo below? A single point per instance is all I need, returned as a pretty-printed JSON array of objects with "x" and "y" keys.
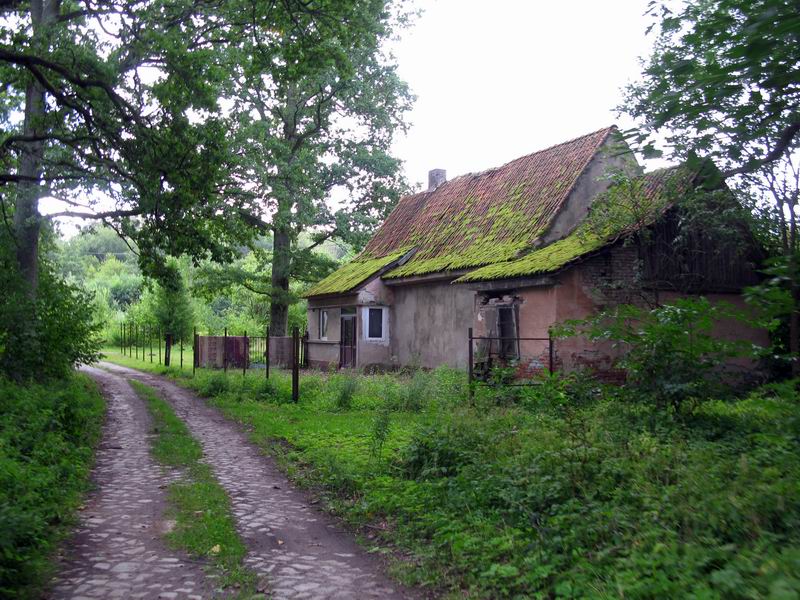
[
  {"x": 519, "y": 360},
  {"x": 234, "y": 352}
]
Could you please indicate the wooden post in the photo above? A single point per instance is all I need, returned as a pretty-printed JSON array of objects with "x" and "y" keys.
[
  {"x": 194, "y": 351},
  {"x": 225, "y": 351},
  {"x": 266, "y": 356},
  {"x": 246, "y": 353},
  {"x": 295, "y": 364},
  {"x": 470, "y": 364},
  {"x": 181, "y": 338}
]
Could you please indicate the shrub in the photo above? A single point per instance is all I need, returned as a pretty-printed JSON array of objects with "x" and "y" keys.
[
  {"x": 47, "y": 435},
  {"x": 671, "y": 352},
  {"x": 43, "y": 339},
  {"x": 345, "y": 392},
  {"x": 213, "y": 384}
]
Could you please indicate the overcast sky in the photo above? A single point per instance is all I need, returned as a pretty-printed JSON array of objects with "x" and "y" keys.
[{"x": 501, "y": 79}]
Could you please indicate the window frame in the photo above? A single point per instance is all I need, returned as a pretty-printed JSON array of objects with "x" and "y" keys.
[
  {"x": 366, "y": 318},
  {"x": 324, "y": 318}
]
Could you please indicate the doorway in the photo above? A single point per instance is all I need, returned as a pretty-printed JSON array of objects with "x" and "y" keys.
[{"x": 347, "y": 343}]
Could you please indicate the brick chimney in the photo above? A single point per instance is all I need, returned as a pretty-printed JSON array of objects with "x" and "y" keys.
[{"x": 436, "y": 177}]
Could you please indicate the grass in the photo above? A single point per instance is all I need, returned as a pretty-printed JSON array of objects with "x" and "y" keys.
[
  {"x": 48, "y": 434},
  {"x": 565, "y": 490},
  {"x": 205, "y": 527}
]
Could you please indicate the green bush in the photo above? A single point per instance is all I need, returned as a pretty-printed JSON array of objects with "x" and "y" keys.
[
  {"x": 47, "y": 435},
  {"x": 46, "y": 337},
  {"x": 212, "y": 384},
  {"x": 348, "y": 384}
]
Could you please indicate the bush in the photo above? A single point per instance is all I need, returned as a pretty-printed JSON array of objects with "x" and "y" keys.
[
  {"x": 213, "y": 384},
  {"x": 45, "y": 338},
  {"x": 671, "y": 353},
  {"x": 47, "y": 435},
  {"x": 348, "y": 385}
]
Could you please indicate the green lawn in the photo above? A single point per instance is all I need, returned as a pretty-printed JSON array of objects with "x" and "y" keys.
[{"x": 563, "y": 490}]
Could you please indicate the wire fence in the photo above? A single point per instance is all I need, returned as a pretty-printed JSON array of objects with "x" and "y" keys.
[{"x": 225, "y": 352}]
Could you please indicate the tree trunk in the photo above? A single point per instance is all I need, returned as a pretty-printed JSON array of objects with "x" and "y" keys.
[
  {"x": 279, "y": 301},
  {"x": 27, "y": 220},
  {"x": 167, "y": 349}
]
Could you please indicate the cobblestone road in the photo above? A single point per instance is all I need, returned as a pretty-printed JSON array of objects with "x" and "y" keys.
[
  {"x": 303, "y": 552},
  {"x": 117, "y": 550}
]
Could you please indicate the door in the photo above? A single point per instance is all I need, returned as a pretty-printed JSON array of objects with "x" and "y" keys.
[{"x": 347, "y": 343}]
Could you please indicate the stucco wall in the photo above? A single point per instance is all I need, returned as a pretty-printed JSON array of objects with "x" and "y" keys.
[
  {"x": 614, "y": 156},
  {"x": 429, "y": 324}
]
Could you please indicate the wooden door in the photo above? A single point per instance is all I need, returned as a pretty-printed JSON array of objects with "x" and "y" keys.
[{"x": 347, "y": 343}]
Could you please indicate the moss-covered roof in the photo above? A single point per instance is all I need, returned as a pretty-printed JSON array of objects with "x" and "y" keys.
[
  {"x": 620, "y": 211},
  {"x": 351, "y": 275}
]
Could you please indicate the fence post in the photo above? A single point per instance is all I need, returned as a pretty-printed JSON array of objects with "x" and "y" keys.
[
  {"x": 181, "y": 342},
  {"x": 266, "y": 356},
  {"x": 470, "y": 364},
  {"x": 295, "y": 364},
  {"x": 194, "y": 351},
  {"x": 246, "y": 355},
  {"x": 225, "y": 352},
  {"x": 550, "y": 352}
]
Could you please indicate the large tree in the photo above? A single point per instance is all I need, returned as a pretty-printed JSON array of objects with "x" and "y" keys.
[
  {"x": 723, "y": 82},
  {"x": 304, "y": 133},
  {"x": 114, "y": 108}
]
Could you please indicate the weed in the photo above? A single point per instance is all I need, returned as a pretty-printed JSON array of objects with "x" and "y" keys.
[{"x": 346, "y": 392}]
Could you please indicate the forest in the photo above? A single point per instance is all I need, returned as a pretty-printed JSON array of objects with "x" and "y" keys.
[{"x": 212, "y": 160}]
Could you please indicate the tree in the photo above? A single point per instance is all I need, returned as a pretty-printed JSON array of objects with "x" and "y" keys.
[
  {"x": 305, "y": 132},
  {"x": 121, "y": 114},
  {"x": 723, "y": 82},
  {"x": 172, "y": 308}
]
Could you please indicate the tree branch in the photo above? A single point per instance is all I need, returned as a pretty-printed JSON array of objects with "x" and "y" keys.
[{"x": 782, "y": 145}]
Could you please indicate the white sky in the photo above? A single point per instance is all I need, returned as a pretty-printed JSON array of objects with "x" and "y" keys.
[{"x": 501, "y": 79}]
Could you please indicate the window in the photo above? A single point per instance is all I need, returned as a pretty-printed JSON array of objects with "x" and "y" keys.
[
  {"x": 323, "y": 324},
  {"x": 374, "y": 323}
]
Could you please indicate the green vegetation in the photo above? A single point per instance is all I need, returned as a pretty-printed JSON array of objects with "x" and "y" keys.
[
  {"x": 567, "y": 489},
  {"x": 205, "y": 527},
  {"x": 47, "y": 439},
  {"x": 354, "y": 273}
]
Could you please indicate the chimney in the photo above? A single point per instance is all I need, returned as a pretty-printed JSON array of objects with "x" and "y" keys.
[{"x": 436, "y": 177}]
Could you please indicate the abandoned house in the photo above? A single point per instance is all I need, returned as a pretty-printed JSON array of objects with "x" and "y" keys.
[{"x": 511, "y": 251}]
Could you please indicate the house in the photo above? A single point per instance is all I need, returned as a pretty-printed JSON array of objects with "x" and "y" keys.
[{"x": 509, "y": 252}]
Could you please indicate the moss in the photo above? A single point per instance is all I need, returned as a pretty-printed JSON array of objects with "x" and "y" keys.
[
  {"x": 626, "y": 207},
  {"x": 548, "y": 259},
  {"x": 352, "y": 274}
]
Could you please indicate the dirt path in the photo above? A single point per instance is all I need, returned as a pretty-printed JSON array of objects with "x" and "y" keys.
[
  {"x": 301, "y": 550},
  {"x": 117, "y": 550}
]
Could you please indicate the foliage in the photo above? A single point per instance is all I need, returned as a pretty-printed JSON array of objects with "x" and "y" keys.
[
  {"x": 173, "y": 309},
  {"x": 47, "y": 436},
  {"x": 671, "y": 353},
  {"x": 46, "y": 336},
  {"x": 348, "y": 384},
  {"x": 723, "y": 82},
  {"x": 313, "y": 128}
]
